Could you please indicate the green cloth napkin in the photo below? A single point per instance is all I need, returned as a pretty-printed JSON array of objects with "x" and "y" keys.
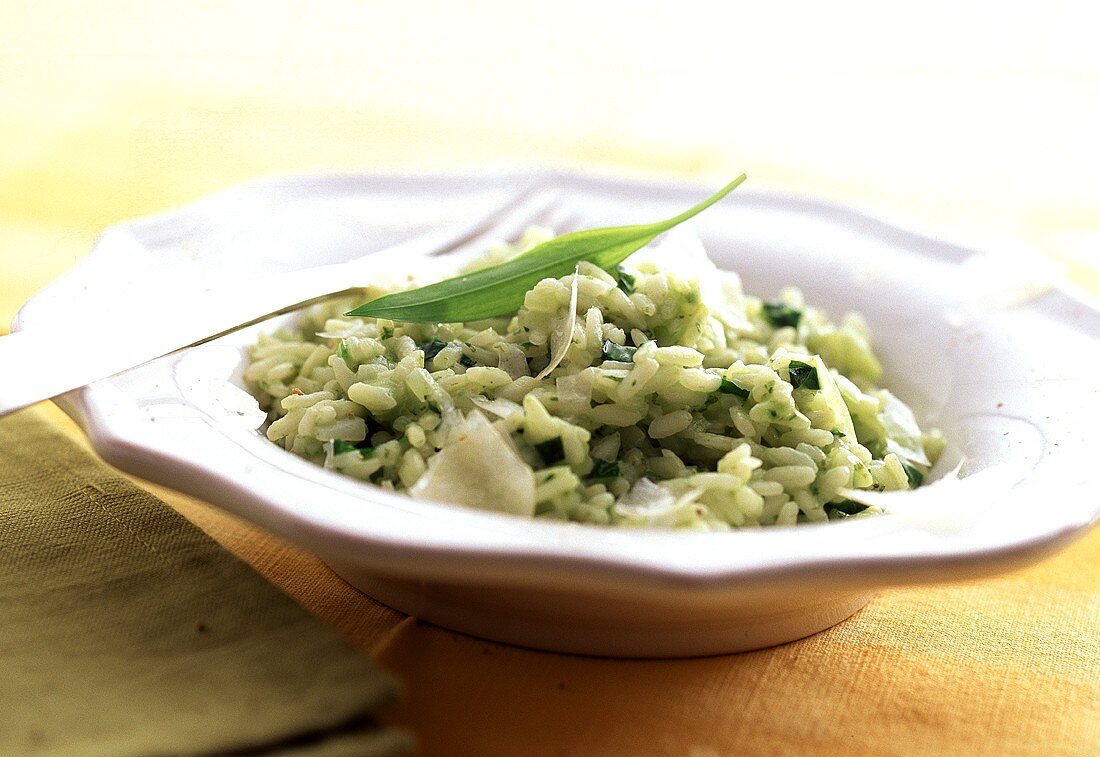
[{"x": 125, "y": 630}]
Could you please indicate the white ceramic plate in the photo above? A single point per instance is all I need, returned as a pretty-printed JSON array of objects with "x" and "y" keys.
[{"x": 1013, "y": 384}]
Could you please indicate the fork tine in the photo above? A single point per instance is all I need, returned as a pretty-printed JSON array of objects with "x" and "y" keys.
[
  {"x": 538, "y": 209},
  {"x": 528, "y": 210},
  {"x": 562, "y": 219},
  {"x": 503, "y": 223}
]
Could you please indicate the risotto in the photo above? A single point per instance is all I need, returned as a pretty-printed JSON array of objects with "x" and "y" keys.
[{"x": 659, "y": 396}]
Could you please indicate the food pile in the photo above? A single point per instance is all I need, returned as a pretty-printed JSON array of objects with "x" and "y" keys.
[{"x": 656, "y": 395}]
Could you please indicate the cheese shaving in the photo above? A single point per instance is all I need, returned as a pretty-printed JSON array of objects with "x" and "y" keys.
[{"x": 563, "y": 337}]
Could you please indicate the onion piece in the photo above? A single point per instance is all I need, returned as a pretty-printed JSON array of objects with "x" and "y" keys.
[
  {"x": 511, "y": 360},
  {"x": 499, "y": 407},
  {"x": 575, "y": 391}
]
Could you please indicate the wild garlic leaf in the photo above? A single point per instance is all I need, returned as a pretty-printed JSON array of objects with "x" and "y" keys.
[
  {"x": 625, "y": 280},
  {"x": 618, "y": 352},
  {"x": 781, "y": 314},
  {"x": 499, "y": 289},
  {"x": 603, "y": 469},
  {"x": 804, "y": 376},
  {"x": 728, "y": 387},
  {"x": 913, "y": 476}
]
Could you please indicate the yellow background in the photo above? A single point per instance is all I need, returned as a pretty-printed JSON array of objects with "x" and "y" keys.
[{"x": 978, "y": 119}]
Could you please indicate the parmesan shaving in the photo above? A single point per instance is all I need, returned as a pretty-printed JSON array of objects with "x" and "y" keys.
[
  {"x": 562, "y": 338},
  {"x": 649, "y": 504},
  {"x": 479, "y": 468},
  {"x": 949, "y": 505}
]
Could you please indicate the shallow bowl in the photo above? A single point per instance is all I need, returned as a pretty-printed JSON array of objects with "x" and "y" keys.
[{"x": 1004, "y": 366}]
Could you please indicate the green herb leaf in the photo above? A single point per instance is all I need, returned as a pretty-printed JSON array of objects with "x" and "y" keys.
[
  {"x": 603, "y": 469},
  {"x": 342, "y": 351},
  {"x": 467, "y": 361},
  {"x": 728, "y": 387},
  {"x": 915, "y": 477},
  {"x": 339, "y": 447},
  {"x": 626, "y": 280},
  {"x": 551, "y": 451},
  {"x": 844, "y": 508},
  {"x": 804, "y": 375},
  {"x": 782, "y": 315},
  {"x": 617, "y": 352},
  {"x": 499, "y": 289},
  {"x": 432, "y": 348}
]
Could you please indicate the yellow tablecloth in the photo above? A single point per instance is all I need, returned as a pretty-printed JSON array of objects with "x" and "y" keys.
[{"x": 988, "y": 129}]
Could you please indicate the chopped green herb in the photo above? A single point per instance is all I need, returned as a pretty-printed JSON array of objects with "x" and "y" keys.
[
  {"x": 915, "y": 477},
  {"x": 551, "y": 451},
  {"x": 844, "y": 508},
  {"x": 782, "y": 315},
  {"x": 467, "y": 361},
  {"x": 804, "y": 376},
  {"x": 542, "y": 508},
  {"x": 837, "y": 433},
  {"x": 432, "y": 348},
  {"x": 603, "y": 469},
  {"x": 617, "y": 352},
  {"x": 339, "y": 447},
  {"x": 387, "y": 332},
  {"x": 342, "y": 351},
  {"x": 626, "y": 280},
  {"x": 728, "y": 387}
]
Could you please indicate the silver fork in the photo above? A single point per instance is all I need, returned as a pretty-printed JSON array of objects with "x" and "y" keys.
[{"x": 211, "y": 312}]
